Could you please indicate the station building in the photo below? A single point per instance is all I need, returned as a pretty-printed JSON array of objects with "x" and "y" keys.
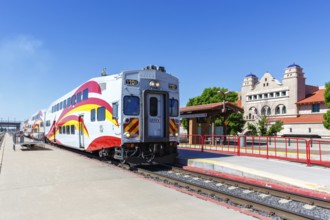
[{"x": 298, "y": 105}]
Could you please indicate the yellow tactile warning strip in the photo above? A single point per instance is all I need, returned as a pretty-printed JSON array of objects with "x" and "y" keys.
[{"x": 264, "y": 175}]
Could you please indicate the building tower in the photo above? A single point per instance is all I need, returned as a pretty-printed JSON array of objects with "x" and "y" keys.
[
  {"x": 294, "y": 79},
  {"x": 249, "y": 84}
]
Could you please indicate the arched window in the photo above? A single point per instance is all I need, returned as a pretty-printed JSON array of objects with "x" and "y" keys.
[
  {"x": 284, "y": 110},
  {"x": 266, "y": 111},
  {"x": 269, "y": 112},
  {"x": 277, "y": 110},
  {"x": 253, "y": 111}
]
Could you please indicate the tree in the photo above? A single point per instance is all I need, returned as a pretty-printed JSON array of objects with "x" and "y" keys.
[
  {"x": 326, "y": 116},
  {"x": 273, "y": 129},
  {"x": 252, "y": 129},
  {"x": 211, "y": 95},
  {"x": 236, "y": 123},
  {"x": 262, "y": 126},
  {"x": 262, "y": 129}
]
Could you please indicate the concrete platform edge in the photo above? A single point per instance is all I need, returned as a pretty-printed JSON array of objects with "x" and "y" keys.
[{"x": 262, "y": 182}]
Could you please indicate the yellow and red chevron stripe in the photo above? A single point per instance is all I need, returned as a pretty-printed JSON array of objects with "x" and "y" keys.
[
  {"x": 132, "y": 127},
  {"x": 69, "y": 114},
  {"x": 174, "y": 128}
]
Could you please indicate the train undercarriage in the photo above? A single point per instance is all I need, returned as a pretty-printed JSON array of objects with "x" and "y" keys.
[{"x": 139, "y": 153}]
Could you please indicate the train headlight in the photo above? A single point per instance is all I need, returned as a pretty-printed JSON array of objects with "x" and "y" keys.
[
  {"x": 127, "y": 134},
  {"x": 176, "y": 134},
  {"x": 154, "y": 84}
]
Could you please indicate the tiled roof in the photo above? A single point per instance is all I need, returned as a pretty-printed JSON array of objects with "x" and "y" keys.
[
  {"x": 205, "y": 107},
  {"x": 239, "y": 103},
  {"x": 201, "y": 107},
  {"x": 301, "y": 119},
  {"x": 315, "y": 97}
]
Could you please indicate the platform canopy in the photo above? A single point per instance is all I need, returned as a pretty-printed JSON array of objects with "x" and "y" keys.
[{"x": 207, "y": 109}]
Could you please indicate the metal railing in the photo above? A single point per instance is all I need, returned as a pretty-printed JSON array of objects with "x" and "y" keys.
[
  {"x": 29, "y": 140},
  {"x": 302, "y": 150}
]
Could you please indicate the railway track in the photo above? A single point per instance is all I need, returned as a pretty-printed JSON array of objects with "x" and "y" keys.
[
  {"x": 2, "y": 137},
  {"x": 265, "y": 201},
  {"x": 269, "y": 202}
]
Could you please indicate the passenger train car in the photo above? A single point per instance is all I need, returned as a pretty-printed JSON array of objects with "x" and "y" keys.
[
  {"x": 34, "y": 125},
  {"x": 132, "y": 116}
]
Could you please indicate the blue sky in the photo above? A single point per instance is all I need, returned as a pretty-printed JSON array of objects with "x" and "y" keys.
[{"x": 49, "y": 47}]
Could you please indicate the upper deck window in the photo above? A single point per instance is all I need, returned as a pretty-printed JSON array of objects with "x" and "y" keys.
[
  {"x": 85, "y": 94},
  {"x": 68, "y": 102},
  {"x": 174, "y": 108},
  {"x": 73, "y": 100},
  {"x": 131, "y": 105},
  {"x": 79, "y": 97}
]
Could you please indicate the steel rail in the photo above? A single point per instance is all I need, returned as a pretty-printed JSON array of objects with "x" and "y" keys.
[
  {"x": 266, "y": 190},
  {"x": 286, "y": 214}
]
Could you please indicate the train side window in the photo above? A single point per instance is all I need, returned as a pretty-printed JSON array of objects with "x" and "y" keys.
[
  {"x": 153, "y": 110},
  {"x": 85, "y": 94},
  {"x": 93, "y": 115},
  {"x": 41, "y": 124},
  {"x": 79, "y": 97},
  {"x": 58, "y": 107},
  {"x": 131, "y": 105},
  {"x": 101, "y": 113},
  {"x": 60, "y": 128},
  {"x": 68, "y": 102},
  {"x": 72, "y": 129},
  {"x": 64, "y": 104},
  {"x": 73, "y": 100},
  {"x": 47, "y": 123},
  {"x": 115, "y": 110},
  {"x": 61, "y": 105},
  {"x": 63, "y": 130},
  {"x": 174, "y": 108},
  {"x": 68, "y": 129}
]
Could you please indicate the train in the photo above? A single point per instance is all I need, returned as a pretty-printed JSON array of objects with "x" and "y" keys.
[
  {"x": 34, "y": 126},
  {"x": 132, "y": 116}
]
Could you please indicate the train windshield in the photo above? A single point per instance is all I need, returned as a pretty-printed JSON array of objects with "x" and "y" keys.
[
  {"x": 131, "y": 105},
  {"x": 174, "y": 107}
]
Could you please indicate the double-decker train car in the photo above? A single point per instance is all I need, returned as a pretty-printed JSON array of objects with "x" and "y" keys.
[
  {"x": 132, "y": 116},
  {"x": 34, "y": 126}
]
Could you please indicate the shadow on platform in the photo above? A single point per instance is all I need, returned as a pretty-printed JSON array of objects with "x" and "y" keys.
[
  {"x": 34, "y": 148},
  {"x": 191, "y": 154}
]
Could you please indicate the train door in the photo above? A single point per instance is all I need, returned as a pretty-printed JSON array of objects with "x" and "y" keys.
[
  {"x": 81, "y": 131},
  {"x": 54, "y": 130},
  {"x": 155, "y": 116}
]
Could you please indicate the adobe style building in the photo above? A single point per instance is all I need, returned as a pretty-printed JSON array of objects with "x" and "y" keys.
[{"x": 298, "y": 105}]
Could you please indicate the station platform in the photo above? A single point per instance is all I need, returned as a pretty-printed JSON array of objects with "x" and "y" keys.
[
  {"x": 52, "y": 183},
  {"x": 312, "y": 180}
]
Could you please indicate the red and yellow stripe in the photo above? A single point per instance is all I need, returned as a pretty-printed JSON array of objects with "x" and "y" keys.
[
  {"x": 174, "y": 128},
  {"x": 132, "y": 127}
]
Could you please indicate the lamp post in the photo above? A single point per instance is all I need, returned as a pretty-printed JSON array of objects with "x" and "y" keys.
[
  {"x": 223, "y": 99},
  {"x": 224, "y": 94}
]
